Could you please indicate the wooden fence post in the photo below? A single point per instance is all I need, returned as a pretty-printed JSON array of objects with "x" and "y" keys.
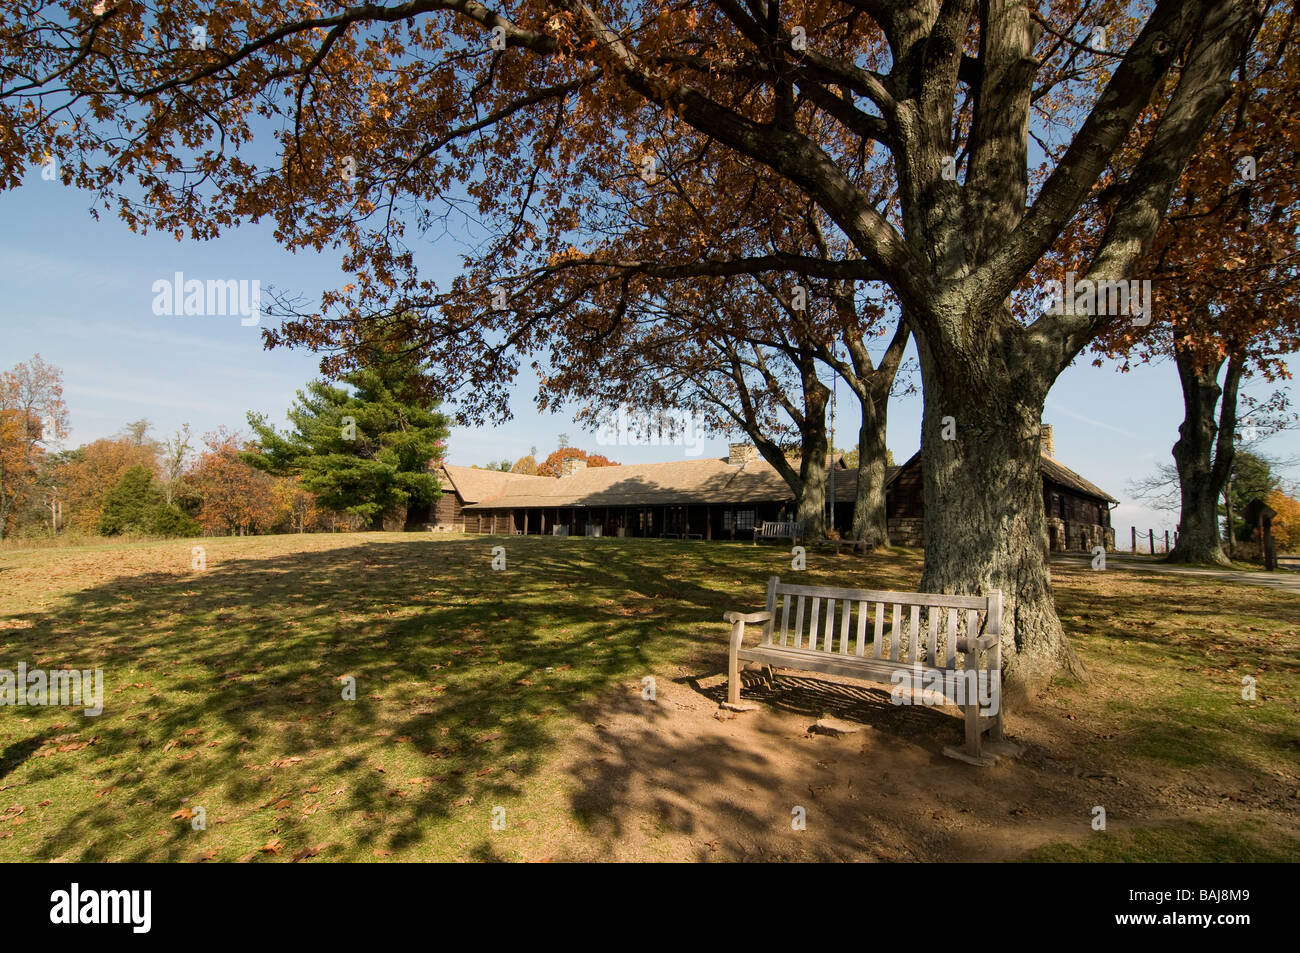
[
  {"x": 1151, "y": 540},
  {"x": 1134, "y": 531}
]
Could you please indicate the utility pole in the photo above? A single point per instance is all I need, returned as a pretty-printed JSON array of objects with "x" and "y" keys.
[
  {"x": 1227, "y": 510},
  {"x": 834, "y": 388}
]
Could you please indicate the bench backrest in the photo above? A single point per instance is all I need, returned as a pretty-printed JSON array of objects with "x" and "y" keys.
[
  {"x": 905, "y": 627},
  {"x": 777, "y": 530}
]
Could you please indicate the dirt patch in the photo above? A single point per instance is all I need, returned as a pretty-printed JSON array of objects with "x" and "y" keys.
[{"x": 678, "y": 778}]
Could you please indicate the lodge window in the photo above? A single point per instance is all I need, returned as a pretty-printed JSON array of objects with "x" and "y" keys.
[{"x": 744, "y": 519}]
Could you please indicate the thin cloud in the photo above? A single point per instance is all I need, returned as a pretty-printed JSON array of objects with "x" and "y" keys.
[{"x": 1057, "y": 408}]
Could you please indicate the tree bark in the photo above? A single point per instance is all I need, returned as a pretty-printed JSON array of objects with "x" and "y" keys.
[
  {"x": 810, "y": 510},
  {"x": 870, "y": 524},
  {"x": 984, "y": 525},
  {"x": 1203, "y": 454}
]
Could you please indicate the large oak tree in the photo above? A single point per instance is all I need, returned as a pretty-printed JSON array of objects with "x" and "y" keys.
[{"x": 384, "y": 117}]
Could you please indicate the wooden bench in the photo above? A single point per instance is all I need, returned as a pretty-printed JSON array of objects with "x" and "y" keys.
[
  {"x": 850, "y": 546},
  {"x": 788, "y": 529},
  {"x": 879, "y": 634}
]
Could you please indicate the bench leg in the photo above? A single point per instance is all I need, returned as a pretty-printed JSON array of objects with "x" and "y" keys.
[
  {"x": 733, "y": 663},
  {"x": 995, "y": 675},
  {"x": 972, "y": 713}
]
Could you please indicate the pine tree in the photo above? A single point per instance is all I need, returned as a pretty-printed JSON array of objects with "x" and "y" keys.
[
  {"x": 364, "y": 448},
  {"x": 127, "y": 503}
]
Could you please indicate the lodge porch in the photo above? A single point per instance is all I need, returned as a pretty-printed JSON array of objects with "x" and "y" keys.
[{"x": 713, "y": 521}]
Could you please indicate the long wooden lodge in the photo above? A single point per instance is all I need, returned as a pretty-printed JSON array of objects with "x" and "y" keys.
[{"x": 723, "y": 499}]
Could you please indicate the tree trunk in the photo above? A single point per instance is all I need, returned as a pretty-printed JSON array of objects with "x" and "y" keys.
[
  {"x": 984, "y": 526},
  {"x": 417, "y": 515},
  {"x": 869, "y": 521},
  {"x": 811, "y": 509},
  {"x": 811, "y": 500},
  {"x": 1203, "y": 455}
]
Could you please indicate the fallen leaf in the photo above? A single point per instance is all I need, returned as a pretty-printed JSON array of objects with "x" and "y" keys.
[{"x": 308, "y": 852}]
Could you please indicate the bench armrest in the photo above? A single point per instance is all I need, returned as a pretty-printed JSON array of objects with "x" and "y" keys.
[
  {"x": 750, "y": 618},
  {"x": 983, "y": 643}
]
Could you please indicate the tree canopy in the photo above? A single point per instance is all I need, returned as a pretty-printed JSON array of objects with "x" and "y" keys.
[{"x": 960, "y": 151}]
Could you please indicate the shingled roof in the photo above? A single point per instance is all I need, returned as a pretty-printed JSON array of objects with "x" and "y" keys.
[
  {"x": 473, "y": 484},
  {"x": 636, "y": 484},
  {"x": 680, "y": 482},
  {"x": 1058, "y": 473},
  {"x": 1052, "y": 470},
  {"x": 677, "y": 483}
]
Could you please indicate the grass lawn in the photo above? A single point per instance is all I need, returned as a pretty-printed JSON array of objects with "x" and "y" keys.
[{"x": 519, "y": 692}]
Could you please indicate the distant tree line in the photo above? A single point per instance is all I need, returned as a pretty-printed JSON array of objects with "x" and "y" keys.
[{"x": 355, "y": 457}]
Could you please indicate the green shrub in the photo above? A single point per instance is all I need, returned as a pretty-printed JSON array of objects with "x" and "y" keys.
[
  {"x": 126, "y": 504},
  {"x": 163, "y": 519}
]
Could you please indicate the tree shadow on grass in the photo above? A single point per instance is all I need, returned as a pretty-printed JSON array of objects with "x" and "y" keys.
[
  {"x": 460, "y": 672},
  {"x": 223, "y": 687}
]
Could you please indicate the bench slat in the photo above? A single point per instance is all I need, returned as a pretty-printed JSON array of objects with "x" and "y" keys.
[
  {"x": 950, "y": 661},
  {"x": 862, "y": 629},
  {"x": 832, "y": 664},
  {"x": 798, "y": 624},
  {"x": 932, "y": 618},
  {"x": 914, "y": 635},
  {"x": 844, "y": 627},
  {"x": 880, "y": 630},
  {"x": 880, "y": 595},
  {"x": 785, "y": 619},
  {"x": 772, "y": 583},
  {"x": 812, "y": 625},
  {"x": 895, "y": 631}
]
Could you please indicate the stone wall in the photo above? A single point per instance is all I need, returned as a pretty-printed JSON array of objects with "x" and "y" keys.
[
  {"x": 906, "y": 531},
  {"x": 1073, "y": 537}
]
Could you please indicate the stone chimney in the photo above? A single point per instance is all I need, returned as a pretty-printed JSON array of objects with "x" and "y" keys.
[
  {"x": 1049, "y": 444},
  {"x": 571, "y": 465},
  {"x": 740, "y": 454}
]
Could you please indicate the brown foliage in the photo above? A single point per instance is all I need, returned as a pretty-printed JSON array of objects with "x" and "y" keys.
[
  {"x": 83, "y": 479},
  {"x": 550, "y": 467},
  {"x": 236, "y": 497},
  {"x": 32, "y": 415}
]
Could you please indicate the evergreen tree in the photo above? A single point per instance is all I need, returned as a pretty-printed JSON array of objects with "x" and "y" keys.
[
  {"x": 127, "y": 503},
  {"x": 1252, "y": 478},
  {"x": 364, "y": 448}
]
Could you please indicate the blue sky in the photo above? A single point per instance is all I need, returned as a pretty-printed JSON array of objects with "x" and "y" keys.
[{"x": 79, "y": 292}]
